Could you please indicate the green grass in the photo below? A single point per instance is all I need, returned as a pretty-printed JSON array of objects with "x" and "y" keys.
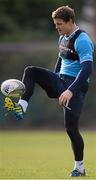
[{"x": 42, "y": 155}]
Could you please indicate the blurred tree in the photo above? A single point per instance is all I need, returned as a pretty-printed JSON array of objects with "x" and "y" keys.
[{"x": 33, "y": 13}]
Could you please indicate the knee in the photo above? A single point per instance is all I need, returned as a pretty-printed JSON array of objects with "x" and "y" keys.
[
  {"x": 29, "y": 69},
  {"x": 70, "y": 131}
]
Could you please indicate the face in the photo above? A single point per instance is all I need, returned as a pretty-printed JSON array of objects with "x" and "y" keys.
[{"x": 62, "y": 26}]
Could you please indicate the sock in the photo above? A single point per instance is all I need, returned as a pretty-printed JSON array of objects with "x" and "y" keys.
[
  {"x": 79, "y": 165},
  {"x": 24, "y": 104}
]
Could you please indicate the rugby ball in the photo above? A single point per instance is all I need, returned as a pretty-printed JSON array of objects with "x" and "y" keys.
[{"x": 12, "y": 88}]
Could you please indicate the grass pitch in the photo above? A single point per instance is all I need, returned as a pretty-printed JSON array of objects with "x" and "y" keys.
[{"x": 43, "y": 155}]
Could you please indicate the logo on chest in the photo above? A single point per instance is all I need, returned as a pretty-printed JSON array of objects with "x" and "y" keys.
[{"x": 64, "y": 49}]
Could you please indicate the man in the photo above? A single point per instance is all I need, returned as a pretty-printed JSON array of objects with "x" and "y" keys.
[{"x": 69, "y": 82}]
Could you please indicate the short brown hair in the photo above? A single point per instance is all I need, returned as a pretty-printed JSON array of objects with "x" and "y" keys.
[{"x": 64, "y": 12}]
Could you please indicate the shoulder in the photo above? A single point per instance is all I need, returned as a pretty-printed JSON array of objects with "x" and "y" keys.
[
  {"x": 83, "y": 41},
  {"x": 84, "y": 37},
  {"x": 84, "y": 47}
]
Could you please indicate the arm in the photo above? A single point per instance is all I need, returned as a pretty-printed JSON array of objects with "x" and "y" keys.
[{"x": 85, "y": 72}]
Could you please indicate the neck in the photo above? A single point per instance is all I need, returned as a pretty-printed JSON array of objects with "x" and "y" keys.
[{"x": 73, "y": 28}]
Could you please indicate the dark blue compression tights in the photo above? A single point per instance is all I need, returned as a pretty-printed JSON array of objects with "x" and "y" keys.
[
  {"x": 71, "y": 124},
  {"x": 54, "y": 86}
]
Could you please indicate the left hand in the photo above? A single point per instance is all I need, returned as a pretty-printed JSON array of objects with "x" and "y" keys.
[{"x": 65, "y": 97}]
